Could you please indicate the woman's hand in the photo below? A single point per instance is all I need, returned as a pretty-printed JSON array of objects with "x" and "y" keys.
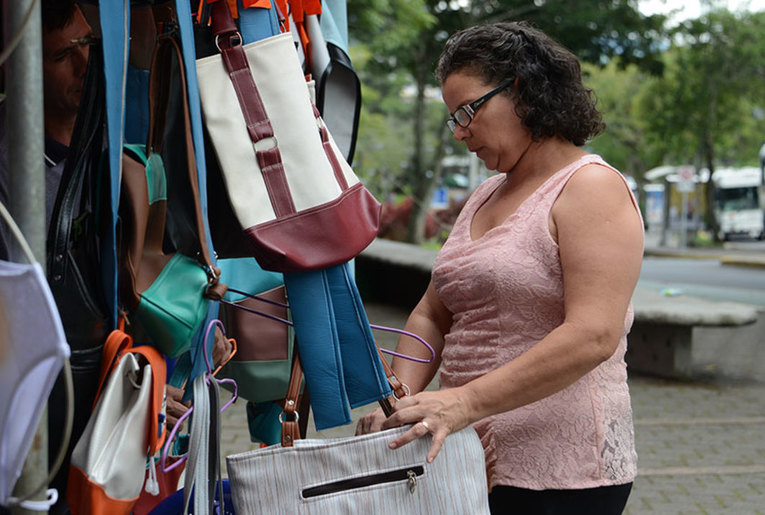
[
  {"x": 221, "y": 348},
  {"x": 371, "y": 422},
  {"x": 438, "y": 413},
  {"x": 175, "y": 407}
]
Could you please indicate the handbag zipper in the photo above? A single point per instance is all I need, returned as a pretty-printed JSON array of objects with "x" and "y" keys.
[{"x": 409, "y": 474}]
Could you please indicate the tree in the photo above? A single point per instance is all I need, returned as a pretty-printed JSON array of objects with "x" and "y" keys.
[
  {"x": 715, "y": 78},
  {"x": 624, "y": 143}
]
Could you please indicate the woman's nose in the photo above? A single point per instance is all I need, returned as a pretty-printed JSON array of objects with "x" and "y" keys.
[{"x": 460, "y": 133}]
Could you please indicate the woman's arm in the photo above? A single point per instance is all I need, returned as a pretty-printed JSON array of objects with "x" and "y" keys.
[
  {"x": 430, "y": 320},
  {"x": 600, "y": 240}
]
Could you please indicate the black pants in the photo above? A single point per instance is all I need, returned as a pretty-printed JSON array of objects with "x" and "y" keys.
[{"x": 605, "y": 500}]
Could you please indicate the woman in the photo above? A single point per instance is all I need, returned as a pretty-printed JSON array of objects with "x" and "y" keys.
[{"x": 529, "y": 302}]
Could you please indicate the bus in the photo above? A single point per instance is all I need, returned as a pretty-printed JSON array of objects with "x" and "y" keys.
[{"x": 740, "y": 202}]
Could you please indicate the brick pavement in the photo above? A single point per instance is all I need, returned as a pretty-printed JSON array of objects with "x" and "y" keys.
[{"x": 701, "y": 446}]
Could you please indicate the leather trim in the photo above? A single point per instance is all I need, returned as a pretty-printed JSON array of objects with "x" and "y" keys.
[
  {"x": 272, "y": 170},
  {"x": 290, "y": 425},
  {"x": 309, "y": 240},
  {"x": 336, "y": 168},
  {"x": 258, "y": 127},
  {"x": 221, "y": 23},
  {"x": 85, "y": 497}
]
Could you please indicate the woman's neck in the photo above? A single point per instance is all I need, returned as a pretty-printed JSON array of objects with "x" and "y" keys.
[{"x": 542, "y": 159}]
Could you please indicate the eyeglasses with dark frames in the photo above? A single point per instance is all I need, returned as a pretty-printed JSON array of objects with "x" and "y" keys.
[{"x": 464, "y": 114}]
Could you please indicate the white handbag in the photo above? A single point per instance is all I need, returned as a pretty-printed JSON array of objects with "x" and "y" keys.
[
  {"x": 124, "y": 430},
  {"x": 360, "y": 474},
  {"x": 294, "y": 196}
]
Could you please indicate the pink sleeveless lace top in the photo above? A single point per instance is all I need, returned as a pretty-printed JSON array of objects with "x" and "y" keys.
[{"x": 505, "y": 291}]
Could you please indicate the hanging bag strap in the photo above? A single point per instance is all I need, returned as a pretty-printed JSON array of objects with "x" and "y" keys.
[
  {"x": 159, "y": 93},
  {"x": 229, "y": 42},
  {"x": 290, "y": 418},
  {"x": 116, "y": 343}
]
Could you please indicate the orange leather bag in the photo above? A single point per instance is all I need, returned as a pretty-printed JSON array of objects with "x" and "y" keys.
[{"x": 126, "y": 428}]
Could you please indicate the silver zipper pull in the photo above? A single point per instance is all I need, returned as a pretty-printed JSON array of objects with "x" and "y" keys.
[{"x": 412, "y": 480}]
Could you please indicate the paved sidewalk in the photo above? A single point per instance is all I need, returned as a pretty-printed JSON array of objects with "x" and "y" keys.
[{"x": 701, "y": 446}]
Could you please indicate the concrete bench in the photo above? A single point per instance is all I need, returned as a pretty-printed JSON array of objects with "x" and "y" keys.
[
  {"x": 659, "y": 343},
  {"x": 661, "y": 339}
]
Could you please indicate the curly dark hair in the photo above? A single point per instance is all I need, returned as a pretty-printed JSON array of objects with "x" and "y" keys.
[{"x": 550, "y": 96}]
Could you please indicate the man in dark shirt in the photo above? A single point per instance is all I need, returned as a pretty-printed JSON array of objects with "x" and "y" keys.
[{"x": 66, "y": 47}]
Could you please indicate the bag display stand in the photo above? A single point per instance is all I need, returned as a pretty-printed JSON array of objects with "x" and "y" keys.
[{"x": 306, "y": 227}]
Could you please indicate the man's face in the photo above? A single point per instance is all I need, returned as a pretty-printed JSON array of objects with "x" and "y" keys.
[{"x": 65, "y": 57}]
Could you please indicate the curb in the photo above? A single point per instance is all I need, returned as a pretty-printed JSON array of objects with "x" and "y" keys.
[
  {"x": 752, "y": 261},
  {"x": 679, "y": 254},
  {"x": 756, "y": 261}
]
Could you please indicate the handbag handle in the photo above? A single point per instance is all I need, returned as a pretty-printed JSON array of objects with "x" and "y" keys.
[
  {"x": 87, "y": 134},
  {"x": 208, "y": 375},
  {"x": 159, "y": 93},
  {"x": 289, "y": 418},
  {"x": 116, "y": 343}
]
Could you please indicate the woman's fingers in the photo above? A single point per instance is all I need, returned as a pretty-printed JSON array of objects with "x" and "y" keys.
[
  {"x": 221, "y": 348},
  {"x": 174, "y": 407},
  {"x": 370, "y": 423},
  {"x": 435, "y": 448},
  {"x": 419, "y": 430},
  {"x": 437, "y": 413}
]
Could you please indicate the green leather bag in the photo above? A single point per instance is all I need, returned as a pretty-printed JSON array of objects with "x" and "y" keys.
[
  {"x": 164, "y": 293},
  {"x": 174, "y": 306}
]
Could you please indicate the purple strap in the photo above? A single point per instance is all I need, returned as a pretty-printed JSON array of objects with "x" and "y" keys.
[{"x": 373, "y": 326}]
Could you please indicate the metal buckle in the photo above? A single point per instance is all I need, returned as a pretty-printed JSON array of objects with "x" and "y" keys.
[{"x": 234, "y": 39}]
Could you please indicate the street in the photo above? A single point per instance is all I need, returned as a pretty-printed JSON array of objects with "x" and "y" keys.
[{"x": 705, "y": 278}]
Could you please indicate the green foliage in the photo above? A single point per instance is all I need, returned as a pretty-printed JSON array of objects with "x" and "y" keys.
[
  {"x": 596, "y": 31},
  {"x": 619, "y": 92},
  {"x": 407, "y": 36}
]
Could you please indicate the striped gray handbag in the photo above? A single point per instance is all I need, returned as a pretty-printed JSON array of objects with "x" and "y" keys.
[{"x": 360, "y": 474}]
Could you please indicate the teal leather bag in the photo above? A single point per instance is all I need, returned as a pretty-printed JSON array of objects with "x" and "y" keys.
[
  {"x": 164, "y": 293},
  {"x": 174, "y": 307}
]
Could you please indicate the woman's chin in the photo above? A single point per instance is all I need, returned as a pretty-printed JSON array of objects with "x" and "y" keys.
[{"x": 488, "y": 161}]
